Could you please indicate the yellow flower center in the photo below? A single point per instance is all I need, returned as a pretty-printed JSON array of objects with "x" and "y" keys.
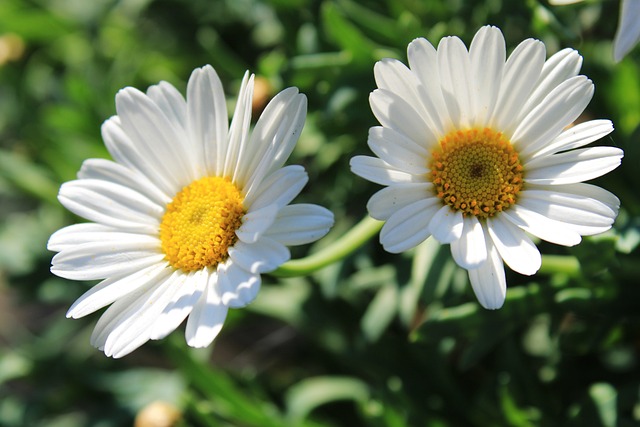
[
  {"x": 476, "y": 171},
  {"x": 200, "y": 224}
]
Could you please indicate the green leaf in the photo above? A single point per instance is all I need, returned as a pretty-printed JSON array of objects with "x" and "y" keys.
[
  {"x": 28, "y": 176},
  {"x": 30, "y": 23},
  {"x": 625, "y": 87},
  {"x": 515, "y": 416},
  {"x": 302, "y": 398},
  {"x": 423, "y": 262},
  {"x": 380, "y": 312},
  {"x": 375, "y": 23},
  {"x": 220, "y": 390},
  {"x": 346, "y": 35},
  {"x": 604, "y": 397},
  {"x": 13, "y": 365}
]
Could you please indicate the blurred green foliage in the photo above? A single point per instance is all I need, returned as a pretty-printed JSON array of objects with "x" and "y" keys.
[{"x": 374, "y": 340}]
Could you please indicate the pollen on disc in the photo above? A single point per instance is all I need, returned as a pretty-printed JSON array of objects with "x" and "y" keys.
[
  {"x": 199, "y": 225},
  {"x": 476, "y": 171}
]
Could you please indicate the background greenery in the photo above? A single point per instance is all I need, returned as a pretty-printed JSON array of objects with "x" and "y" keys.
[{"x": 375, "y": 340}]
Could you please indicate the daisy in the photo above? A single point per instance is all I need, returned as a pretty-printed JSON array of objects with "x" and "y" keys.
[
  {"x": 473, "y": 151},
  {"x": 188, "y": 215}
]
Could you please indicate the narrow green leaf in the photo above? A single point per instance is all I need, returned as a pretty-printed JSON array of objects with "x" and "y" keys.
[
  {"x": 375, "y": 23},
  {"x": 345, "y": 34},
  {"x": 423, "y": 262},
  {"x": 28, "y": 176},
  {"x": 220, "y": 390},
  {"x": 515, "y": 416},
  {"x": 380, "y": 312},
  {"x": 305, "y": 396},
  {"x": 604, "y": 397}
]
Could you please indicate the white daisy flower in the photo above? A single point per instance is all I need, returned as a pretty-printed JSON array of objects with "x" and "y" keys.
[
  {"x": 189, "y": 214},
  {"x": 474, "y": 152}
]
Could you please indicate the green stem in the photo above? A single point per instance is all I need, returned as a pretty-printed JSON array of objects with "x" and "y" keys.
[
  {"x": 347, "y": 244},
  {"x": 369, "y": 227},
  {"x": 566, "y": 264}
]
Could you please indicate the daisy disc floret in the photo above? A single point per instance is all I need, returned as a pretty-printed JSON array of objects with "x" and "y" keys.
[
  {"x": 477, "y": 150},
  {"x": 476, "y": 171},
  {"x": 200, "y": 224},
  {"x": 188, "y": 215}
]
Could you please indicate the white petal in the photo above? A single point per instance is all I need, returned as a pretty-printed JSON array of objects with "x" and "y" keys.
[
  {"x": 236, "y": 286},
  {"x": 470, "y": 250},
  {"x": 375, "y": 170},
  {"x": 126, "y": 325},
  {"x": 395, "y": 113},
  {"x": 572, "y": 166},
  {"x": 135, "y": 329},
  {"x": 190, "y": 289},
  {"x": 116, "y": 173},
  {"x": 123, "y": 150},
  {"x": 256, "y": 223},
  {"x": 110, "y": 204},
  {"x": 279, "y": 188},
  {"x": 207, "y": 318},
  {"x": 99, "y": 260},
  {"x": 89, "y": 232},
  {"x": 541, "y": 226},
  {"x": 628, "y": 32},
  {"x": 154, "y": 136},
  {"x": 454, "y": 68},
  {"x": 588, "y": 191},
  {"x": 300, "y": 224},
  {"x": 446, "y": 225},
  {"x": 488, "y": 281},
  {"x": 487, "y": 54},
  {"x": 172, "y": 104},
  {"x": 260, "y": 257},
  {"x": 559, "y": 67},
  {"x": 576, "y": 137},
  {"x": 115, "y": 288},
  {"x": 398, "y": 150},
  {"x": 585, "y": 215},
  {"x": 123, "y": 307},
  {"x": 240, "y": 125},
  {"x": 424, "y": 64},
  {"x": 409, "y": 226},
  {"x": 521, "y": 72},
  {"x": 273, "y": 138},
  {"x": 207, "y": 121},
  {"x": 559, "y": 109},
  {"x": 514, "y": 246},
  {"x": 395, "y": 197},
  {"x": 393, "y": 76}
]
